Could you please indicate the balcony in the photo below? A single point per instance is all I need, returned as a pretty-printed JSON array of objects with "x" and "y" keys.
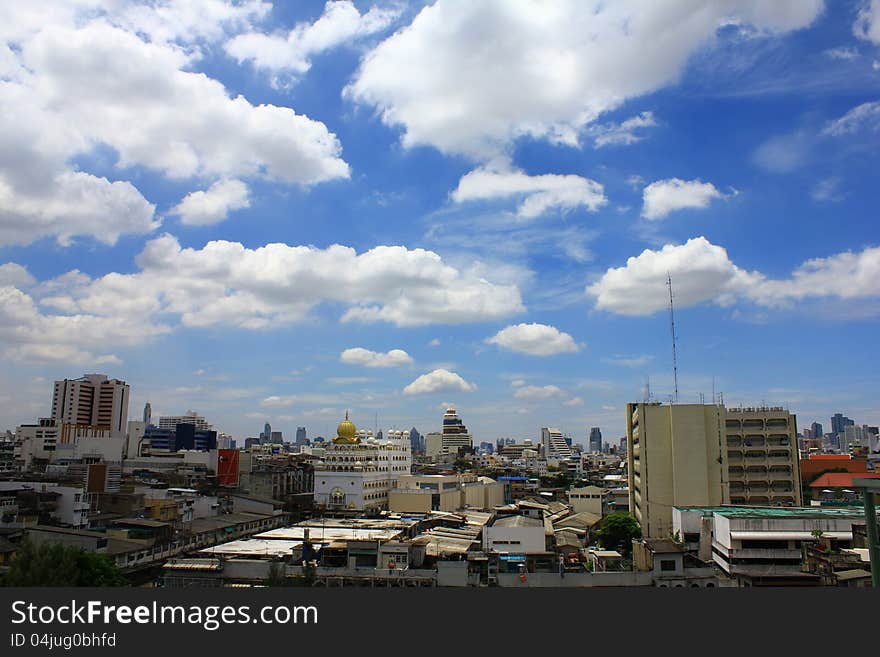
[
  {"x": 754, "y": 440},
  {"x": 734, "y": 441}
]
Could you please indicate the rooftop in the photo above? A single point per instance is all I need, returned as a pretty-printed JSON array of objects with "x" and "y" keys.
[{"x": 774, "y": 511}]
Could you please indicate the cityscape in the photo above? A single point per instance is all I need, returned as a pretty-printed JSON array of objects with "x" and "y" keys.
[
  {"x": 694, "y": 495},
  {"x": 442, "y": 294}
]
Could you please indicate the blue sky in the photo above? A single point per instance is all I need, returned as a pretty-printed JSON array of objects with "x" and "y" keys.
[{"x": 496, "y": 189}]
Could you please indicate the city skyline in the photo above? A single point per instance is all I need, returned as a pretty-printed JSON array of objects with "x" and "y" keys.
[{"x": 382, "y": 233}]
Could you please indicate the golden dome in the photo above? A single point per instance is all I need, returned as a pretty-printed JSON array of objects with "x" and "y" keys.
[{"x": 346, "y": 432}]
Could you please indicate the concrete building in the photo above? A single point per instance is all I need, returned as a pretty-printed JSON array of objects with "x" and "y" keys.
[
  {"x": 591, "y": 499},
  {"x": 595, "y": 442},
  {"x": 91, "y": 400},
  {"x": 554, "y": 443},
  {"x": 170, "y": 422},
  {"x": 708, "y": 455},
  {"x": 358, "y": 471},
  {"x": 762, "y": 546}
]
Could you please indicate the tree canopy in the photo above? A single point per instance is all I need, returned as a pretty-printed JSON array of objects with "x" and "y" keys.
[
  {"x": 55, "y": 564},
  {"x": 617, "y": 531}
]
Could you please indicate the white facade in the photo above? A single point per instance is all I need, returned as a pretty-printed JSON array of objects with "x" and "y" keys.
[
  {"x": 358, "y": 477},
  {"x": 554, "y": 443},
  {"x": 72, "y": 508},
  {"x": 170, "y": 422}
]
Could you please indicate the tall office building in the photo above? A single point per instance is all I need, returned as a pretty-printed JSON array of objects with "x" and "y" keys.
[
  {"x": 596, "y": 440},
  {"x": 170, "y": 422},
  {"x": 554, "y": 443},
  {"x": 92, "y": 400},
  {"x": 453, "y": 437},
  {"x": 148, "y": 414},
  {"x": 706, "y": 455},
  {"x": 266, "y": 434},
  {"x": 816, "y": 430},
  {"x": 300, "y": 435},
  {"x": 417, "y": 441},
  {"x": 839, "y": 422}
]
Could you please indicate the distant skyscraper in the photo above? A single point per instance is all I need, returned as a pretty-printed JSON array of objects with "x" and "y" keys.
[
  {"x": 379, "y": 435},
  {"x": 266, "y": 434},
  {"x": 816, "y": 430},
  {"x": 554, "y": 443},
  {"x": 92, "y": 400},
  {"x": 301, "y": 436},
  {"x": 839, "y": 422},
  {"x": 416, "y": 441},
  {"x": 596, "y": 440},
  {"x": 148, "y": 414}
]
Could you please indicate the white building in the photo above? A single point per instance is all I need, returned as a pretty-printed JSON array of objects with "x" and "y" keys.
[
  {"x": 92, "y": 400},
  {"x": 554, "y": 443},
  {"x": 357, "y": 471},
  {"x": 72, "y": 503},
  {"x": 170, "y": 422}
]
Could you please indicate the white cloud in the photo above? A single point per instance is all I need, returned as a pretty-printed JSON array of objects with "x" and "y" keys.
[
  {"x": 213, "y": 205},
  {"x": 665, "y": 196},
  {"x": 81, "y": 74},
  {"x": 367, "y": 358},
  {"x": 629, "y": 361},
  {"x": 621, "y": 134},
  {"x": 826, "y": 190},
  {"x": 574, "y": 401},
  {"x": 702, "y": 271},
  {"x": 539, "y": 392},
  {"x": 843, "y": 276},
  {"x": 862, "y": 117},
  {"x": 15, "y": 275},
  {"x": 340, "y": 23},
  {"x": 867, "y": 25},
  {"x": 434, "y": 343},
  {"x": 846, "y": 54},
  {"x": 226, "y": 284},
  {"x": 439, "y": 380},
  {"x": 784, "y": 153},
  {"x": 472, "y": 77},
  {"x": 534, "y": 339},
  {"x": 539, "y": 194}
]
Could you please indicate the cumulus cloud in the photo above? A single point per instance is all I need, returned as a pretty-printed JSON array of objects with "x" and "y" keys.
[
  {"x": 665, "y": 196},
  {"x": 213, "y": 205},
  {"x": 702, "y": 271},
  {"x": 367, "y": 358},
  {"x": 439, "y": 380},
  {"x": 867, "y": 25},
  {"x": 537, "y": 194},
  {"x": 15, "y": 275},
  {"x": 340, "y": 23},
  {"x": 534, "y": 339},
  {"x": 81, "y": 74},
  {"x": 227, "y": 284},
  {"x": 472, "y": 77}
]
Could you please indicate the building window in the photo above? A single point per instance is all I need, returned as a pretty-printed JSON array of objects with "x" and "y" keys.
[{"x": 667, "y": 564}]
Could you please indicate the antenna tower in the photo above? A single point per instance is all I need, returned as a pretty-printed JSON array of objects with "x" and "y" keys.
[{"x": 672, "y": 327}]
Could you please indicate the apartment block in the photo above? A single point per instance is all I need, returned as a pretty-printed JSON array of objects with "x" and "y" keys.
[{"x": 708, "y": 455}]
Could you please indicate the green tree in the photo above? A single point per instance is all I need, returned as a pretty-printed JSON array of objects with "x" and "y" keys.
[
  {"x": 276, "y": 576},
  {"x": 55, "y": 564},
  {"x": 617, "y": 532}
]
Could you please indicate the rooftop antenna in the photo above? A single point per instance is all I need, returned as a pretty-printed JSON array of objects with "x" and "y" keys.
[{"x": 672, "y": 327}]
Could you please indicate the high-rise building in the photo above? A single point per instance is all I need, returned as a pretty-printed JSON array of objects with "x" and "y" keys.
[
  {"x": 816, "y": 430},
  {"x": 839, "y": 422},
  {"x": 706, "y": 455},
  {"x": 417, "y": 441},
  {"x": 596, "y": 440},
  {"x": 92, "y": 400},
  {"x": 554, "y": 443},
  {"x": 455, "y": 433},
  {"x": 170, "y": 422},
  {"x": 266, "y": 433},
  {"x": 301, "y": 436},
  {"x": 148, "y": 414}
]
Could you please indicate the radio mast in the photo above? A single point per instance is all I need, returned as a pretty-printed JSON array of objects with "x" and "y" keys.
[{"x": 672, "y": 327}]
